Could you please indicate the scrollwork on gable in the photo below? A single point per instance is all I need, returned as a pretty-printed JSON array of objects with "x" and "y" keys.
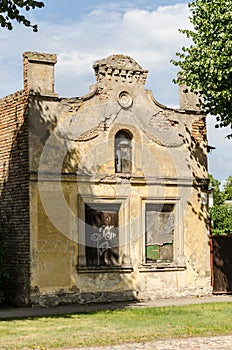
[{"x": 164, "y": 142}]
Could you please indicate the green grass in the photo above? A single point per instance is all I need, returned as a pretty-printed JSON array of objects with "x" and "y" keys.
[{"x": 114, "y": 327}]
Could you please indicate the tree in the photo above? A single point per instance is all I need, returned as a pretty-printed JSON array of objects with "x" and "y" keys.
[
  {"x": 228, "y": 189},
  {"x": 218, "y": 195},
  {"x": 221, "y": 219},
  {"x": 221, "y": 212},
  {"x": 206, "y": 66},
  {"x": 11, "y": 10}
]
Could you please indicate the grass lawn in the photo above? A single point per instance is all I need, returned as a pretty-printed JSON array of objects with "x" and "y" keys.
[{"x": 115, "y": 326}]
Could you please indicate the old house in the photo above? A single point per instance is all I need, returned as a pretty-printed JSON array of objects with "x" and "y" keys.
[{"x": 103, "y": 197}]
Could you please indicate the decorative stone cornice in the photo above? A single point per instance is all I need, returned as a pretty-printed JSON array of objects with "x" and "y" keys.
[{"x": 119, "y": 69}]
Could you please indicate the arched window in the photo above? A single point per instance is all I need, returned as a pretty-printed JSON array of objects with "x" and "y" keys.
[{"x": 123, "y": 152}]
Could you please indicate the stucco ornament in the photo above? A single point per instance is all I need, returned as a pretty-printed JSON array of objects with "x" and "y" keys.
[
  {"x": 124, "y": 99},
  {"x": 85, "y": 125},
  {"x": 119, "y": 69}
]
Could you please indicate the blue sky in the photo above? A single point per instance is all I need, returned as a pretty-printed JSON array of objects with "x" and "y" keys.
[
  {"x": 82, "y": 31},
  {"x": 79, "y": 8}
]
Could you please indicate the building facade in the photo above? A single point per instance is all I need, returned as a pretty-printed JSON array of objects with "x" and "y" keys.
[{"x": 103, "y": 197}]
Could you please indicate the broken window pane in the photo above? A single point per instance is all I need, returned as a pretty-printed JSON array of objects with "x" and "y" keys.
[
  {"x": 102, "y": 234},
  {"x": 122, "y": 152},
  {"x": 159, "y": 232}
]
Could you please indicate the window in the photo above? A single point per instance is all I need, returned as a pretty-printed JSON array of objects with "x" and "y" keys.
[
  {"x": 159, "y": 228},
  {"x": 101, "y": 234},
  {"x": 123, "y": 162}
]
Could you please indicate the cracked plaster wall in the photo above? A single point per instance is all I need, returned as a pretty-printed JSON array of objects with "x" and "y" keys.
[{"x": 72, "y": 154}]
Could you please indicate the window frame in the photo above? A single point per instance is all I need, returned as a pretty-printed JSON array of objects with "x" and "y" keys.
[
  {"x": 128, "y": 137},
  {"x": 97, "y": 252},
  {"x": 169, "y": 240},
  {"x": 179, "y": 260},
  {"x": 123, "y": 231}
]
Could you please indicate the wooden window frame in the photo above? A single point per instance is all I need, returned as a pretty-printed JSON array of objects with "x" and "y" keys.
[
  {"x": 102, "y": 239},
  {"x": 124, "y": 233},
  {"x": 160, "y": 248},
  {"x": 179, "y": 260}
]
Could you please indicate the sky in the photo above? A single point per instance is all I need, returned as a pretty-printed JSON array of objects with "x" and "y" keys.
[{"x": 83, "y": 31}]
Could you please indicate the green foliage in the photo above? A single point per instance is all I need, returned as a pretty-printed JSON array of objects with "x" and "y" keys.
[
  {"x": 221, "y": 212},
  {"x": 206, "y": 66},
  {"x": 218, "y": 195},
  {"x": 228, "y": 189},
  {"x": 11, "y": 10},
  {"x": 221, "y": 216}
]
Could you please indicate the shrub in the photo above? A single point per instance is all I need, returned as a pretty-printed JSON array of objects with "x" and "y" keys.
[{"x": 221, "y": 219}]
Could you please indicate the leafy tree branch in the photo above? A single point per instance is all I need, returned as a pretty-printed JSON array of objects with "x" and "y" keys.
[
  {"x": 11, "y": 10},
  {"x": 206, "y": 65},
  {"x": 221, "y": 211}
]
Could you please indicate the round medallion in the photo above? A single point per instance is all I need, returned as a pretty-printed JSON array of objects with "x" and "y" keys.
[{"x": 125, "y": 99}]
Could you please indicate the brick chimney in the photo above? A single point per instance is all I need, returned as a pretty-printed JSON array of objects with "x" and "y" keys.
[{"x": 39, "y": 73}]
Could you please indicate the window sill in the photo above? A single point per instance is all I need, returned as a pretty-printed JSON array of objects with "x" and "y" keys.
[
  {"x": 104, "y": 269},
  {"x": 160, "y": 267}
]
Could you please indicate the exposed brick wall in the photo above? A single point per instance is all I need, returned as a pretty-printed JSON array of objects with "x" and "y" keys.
[
  {"x": 199, "y": 130},
  {"x": 14, "y": 195}
]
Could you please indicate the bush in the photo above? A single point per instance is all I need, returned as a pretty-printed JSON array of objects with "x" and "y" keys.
[{"x": 221, "y": 219}]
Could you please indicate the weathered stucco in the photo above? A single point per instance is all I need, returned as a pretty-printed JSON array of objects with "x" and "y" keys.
[{"x": 72, "y": 163}]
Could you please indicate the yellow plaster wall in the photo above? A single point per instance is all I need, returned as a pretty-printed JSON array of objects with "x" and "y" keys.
[{"x": 54, "y": 253}]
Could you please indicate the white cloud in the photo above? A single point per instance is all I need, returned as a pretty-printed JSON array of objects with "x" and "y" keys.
[{"x": 150, "y": 37}]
